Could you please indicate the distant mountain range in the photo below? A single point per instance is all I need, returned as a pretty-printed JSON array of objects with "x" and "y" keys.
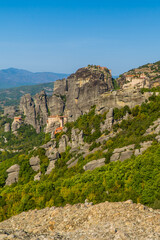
[{"x": 13, "y": 77}]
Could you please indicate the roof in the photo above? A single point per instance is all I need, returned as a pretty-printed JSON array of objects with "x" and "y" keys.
[
  {"x": 59, "y": 128},
  {"x": 17, "y": 118},
  {"x": 129, "y": 75},
  {"x": 57, "y": 116}
]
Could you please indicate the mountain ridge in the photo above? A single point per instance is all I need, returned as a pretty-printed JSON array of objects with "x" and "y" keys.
[{"x": 13, "y": 77}]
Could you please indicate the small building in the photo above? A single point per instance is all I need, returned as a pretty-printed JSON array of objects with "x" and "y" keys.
[
  {"x": 143, "y": 76},
  {"x": 58, "y": 130},
  {"x": 18, "y": 119},
  {"x": 61, "y": 119},
  {"x": 129, "y": 77}
]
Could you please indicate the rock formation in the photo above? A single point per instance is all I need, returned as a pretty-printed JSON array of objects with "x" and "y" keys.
[
  {"x": 10, "y": 111},
  {"x": 35, "y": 109},
  {"x": 35, "y": 163},
  {"x": 75, "y": 95},
  {"x": 107, "y": 125},
  {"x": 16, "y": 124},
  {"x": 13, "y": 173},
  {"x": 94, "y": 164}
]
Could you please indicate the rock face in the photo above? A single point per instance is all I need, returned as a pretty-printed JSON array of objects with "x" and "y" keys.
[
  {"x": 35, "y": 109},
  {"x": 9, "y": 111},
  {"x": 94, "y": 164},
  {"x": 144, "y": 147},
  {"x": 76, "y": 138},
  {"x": 35, "y": 163},
  {"x": 104, "y": 221},
  {"x": 83, "y": 89},
  {"x": 75, "y": 95},
  {"x": 63, "y": 143},
  {"x": 13, "y": 173},
  {"x": 108, "y": 122},
  {"x": 122, "y": 153}
]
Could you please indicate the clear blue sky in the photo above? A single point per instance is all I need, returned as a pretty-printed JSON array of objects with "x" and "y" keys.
[{"x": 63, "y": 35}]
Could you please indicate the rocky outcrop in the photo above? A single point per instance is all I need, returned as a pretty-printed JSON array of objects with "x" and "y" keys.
[
  {"x": 94, "y": 164},
  {"x": 16, "y": 124},
  {"x": 51, "y": 166},
  {"x": 7, "y": 127},
  {"x": 63, "y": 144},
  {"x": 83, "y": 89},
  {"x": 104, "y": 221},
  {"x": 76, "y": 138},
  {"x": 13, "y": 173},
  {"x": 35, "y": 163},
  {"x": 126, "y": 152},
  {"x": 53, "y": 156},
  {"x": 35, "y": 109},
  {"x": 107, "y": 125},
  {"x": 143, "y": 148},
  {"x": 154, "y": 128},
  {"x": 37, "y": 177},
  {"x": 122, "y": 153},
  {"x": 10, "y": 111},
  {"x": 27, "y": 107},
  {"x": 41, "y": 108},
  {"x": 75, "y": 95}
]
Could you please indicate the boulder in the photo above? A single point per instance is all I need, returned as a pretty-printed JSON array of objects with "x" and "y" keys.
[
  {"x": 37, "y": 177},
  {"x": 35, "y": 163},
  {"x": 13, "y": 173},
  {"x": 94, "y": 164},
  {"x": 13, "y": 168},
  {"x": 7, "y": 127}
]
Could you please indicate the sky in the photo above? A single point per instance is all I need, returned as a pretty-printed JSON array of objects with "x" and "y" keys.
[{"x": 64, "y": 35}]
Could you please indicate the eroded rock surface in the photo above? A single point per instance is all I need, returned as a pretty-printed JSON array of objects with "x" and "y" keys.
[
  {"x": 94, "y": 164},
  {"x": 13, "y": 173},
  {"x": 35, "y": 163}
]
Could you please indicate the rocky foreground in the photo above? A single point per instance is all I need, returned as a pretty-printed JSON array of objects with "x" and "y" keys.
[{"x": 85, "y": 221}]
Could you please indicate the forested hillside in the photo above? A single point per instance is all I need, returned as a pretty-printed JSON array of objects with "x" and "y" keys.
[{"x": 135, "y": 178}]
